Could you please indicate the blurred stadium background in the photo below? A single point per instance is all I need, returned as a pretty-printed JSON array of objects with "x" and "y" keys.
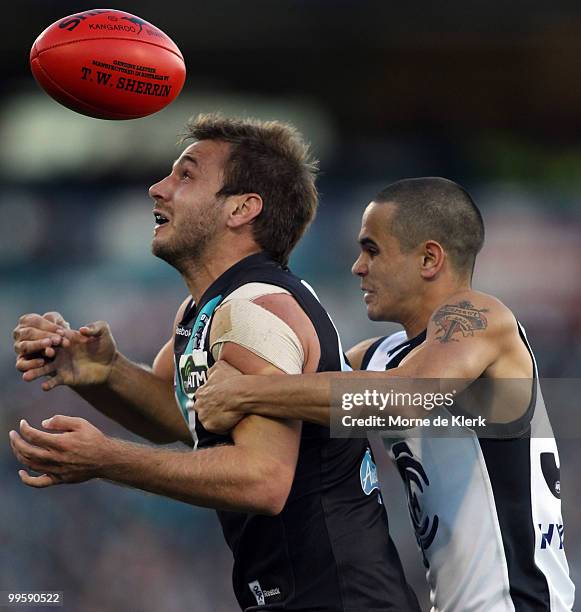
[{"x": 485, "y": 93}]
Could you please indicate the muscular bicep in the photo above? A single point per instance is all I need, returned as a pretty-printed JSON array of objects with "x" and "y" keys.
[
  {"x": 277, "y": 440},
  {"x": 163, "y": 364}
]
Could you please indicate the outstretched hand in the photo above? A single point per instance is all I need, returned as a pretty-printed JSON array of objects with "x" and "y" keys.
[
  {"x": 46, "y": 346},
  {"x": 36, "y": 335},
  {"x": 71, "y": 450}
]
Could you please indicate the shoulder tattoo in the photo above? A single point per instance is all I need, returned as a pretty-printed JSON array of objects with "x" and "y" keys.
[{"x": 461, "y": 318}]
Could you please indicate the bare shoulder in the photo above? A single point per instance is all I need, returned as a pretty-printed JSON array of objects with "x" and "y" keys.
[
  {"x": 356, "y": 353},
  {"x": 282, "y": 305},
  {"x": 163, "y": 364},
  {"x": 285, "y": 307},
  {"x": 181, "y": 310},
  {"x": 471, "y": 313},
  {"x": 179, "y": 316}
]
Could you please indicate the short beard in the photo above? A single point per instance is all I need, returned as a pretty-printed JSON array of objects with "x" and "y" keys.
[
  {"x": 181, "y": 257},
  {"x": 190, "y": 249}
]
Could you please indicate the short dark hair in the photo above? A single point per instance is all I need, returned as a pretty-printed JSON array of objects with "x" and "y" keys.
[
  {"x": 271, "y": 159},
  {"x": 433, "y": 208}
]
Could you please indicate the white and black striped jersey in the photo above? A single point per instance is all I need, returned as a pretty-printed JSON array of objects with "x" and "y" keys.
[{"x": 486, "y": 512}]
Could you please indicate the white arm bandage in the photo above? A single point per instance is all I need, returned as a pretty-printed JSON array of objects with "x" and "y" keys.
[{"x": 260, "y": 331}]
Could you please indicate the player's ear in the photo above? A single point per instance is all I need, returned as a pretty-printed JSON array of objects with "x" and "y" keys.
[
  {"x": 244, "y": 210},
  {"x": 432, "y": 259}
]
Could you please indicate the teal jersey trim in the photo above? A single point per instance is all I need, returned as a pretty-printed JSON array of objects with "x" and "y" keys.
[{"x": 206, "y": 312}]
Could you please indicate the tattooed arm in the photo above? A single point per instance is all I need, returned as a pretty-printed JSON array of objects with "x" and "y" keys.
[{"x": 471, "y": 335}]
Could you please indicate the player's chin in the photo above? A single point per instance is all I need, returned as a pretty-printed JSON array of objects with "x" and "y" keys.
[
  {"x": 159, "y": 248},
  {"x": 369, "y": 302},
  {"x": 372, "y": 313}
]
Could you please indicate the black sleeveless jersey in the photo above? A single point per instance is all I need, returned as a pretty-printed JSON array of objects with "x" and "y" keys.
[{"x": 329, "y": 549}]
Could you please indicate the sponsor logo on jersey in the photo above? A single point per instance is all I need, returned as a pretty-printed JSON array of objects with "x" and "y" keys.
[
  {"x": 368, "y": 474},
  {"x": 547, "y": 533},
  {"x": 204, "y": 318},
  {"x": 257, "y": 592},
  {"x": 193, "y": 370},
  {"x": 262, "y": 595},
  {"x": 182, "y": 331},
  {"x": 416, "y": 481}
]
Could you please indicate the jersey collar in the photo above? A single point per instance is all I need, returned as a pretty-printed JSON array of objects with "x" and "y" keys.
[
  {"x": 224, "y": 281},
  {"x": 404, "y": 348}
]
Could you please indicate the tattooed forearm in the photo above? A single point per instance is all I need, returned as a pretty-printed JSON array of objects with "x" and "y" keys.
[{"x": 455, "y": 319}]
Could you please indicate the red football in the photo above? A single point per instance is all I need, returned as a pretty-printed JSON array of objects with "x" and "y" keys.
[{"x": 108, "y": 64}]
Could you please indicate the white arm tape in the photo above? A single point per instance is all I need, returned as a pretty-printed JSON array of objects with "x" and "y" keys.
[
  {"x": 251, "y": 291},
  {"x": 260, "y": 331}
]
